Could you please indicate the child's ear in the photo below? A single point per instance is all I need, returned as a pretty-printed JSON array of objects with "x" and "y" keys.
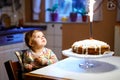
[{"x": 30, "y": 43}]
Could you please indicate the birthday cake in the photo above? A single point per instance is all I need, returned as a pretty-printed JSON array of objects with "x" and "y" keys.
[{"x": 90, "y": 47}]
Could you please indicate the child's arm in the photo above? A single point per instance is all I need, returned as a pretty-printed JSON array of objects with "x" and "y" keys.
[
  {"x": 27, "y": 61},
  {"x": 49, "y": 58},
  {"x": 52, "y": 58}
]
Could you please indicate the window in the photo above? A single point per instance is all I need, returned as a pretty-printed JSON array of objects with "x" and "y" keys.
[{"x": 65, "y": 8}]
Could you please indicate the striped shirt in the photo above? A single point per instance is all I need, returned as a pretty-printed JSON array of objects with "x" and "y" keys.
[{"x": 46, "y": 56}]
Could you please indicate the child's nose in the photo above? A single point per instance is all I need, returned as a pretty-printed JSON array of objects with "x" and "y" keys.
[{"x": 42, "y": 37}]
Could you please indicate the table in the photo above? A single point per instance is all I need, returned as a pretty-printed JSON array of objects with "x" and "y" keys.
[{"x": 107, "y": 68}]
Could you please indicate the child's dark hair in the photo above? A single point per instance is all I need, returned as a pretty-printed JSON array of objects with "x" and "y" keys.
[{"x": 28, "y": 37}]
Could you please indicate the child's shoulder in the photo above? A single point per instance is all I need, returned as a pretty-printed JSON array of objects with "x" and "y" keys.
[{"x": 47, "y": 49}]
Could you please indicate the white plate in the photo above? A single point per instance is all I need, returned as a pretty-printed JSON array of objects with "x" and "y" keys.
[{"x": 69, "y": 53}]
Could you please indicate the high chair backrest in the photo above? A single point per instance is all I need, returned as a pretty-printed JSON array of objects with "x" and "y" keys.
[
  {"x": 20, "y": 56},
  {"x": 13, "y": 70}
]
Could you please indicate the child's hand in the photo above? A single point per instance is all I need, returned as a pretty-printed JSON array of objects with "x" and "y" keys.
[
  {"x": 41, "y": 61},
  {"x": 38, "y": 60},
  {"x": 29, "y": 67}
]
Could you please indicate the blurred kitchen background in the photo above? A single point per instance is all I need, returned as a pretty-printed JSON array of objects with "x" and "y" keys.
[{"x": 20, "y": 16}]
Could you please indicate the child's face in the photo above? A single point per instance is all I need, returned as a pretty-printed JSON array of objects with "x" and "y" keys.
[{"x": 38, "y": 39}]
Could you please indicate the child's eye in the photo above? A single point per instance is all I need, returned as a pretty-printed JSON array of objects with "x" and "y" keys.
[
  {"x": 43, "y": 36},
  {"x": 40, "y": 36}
]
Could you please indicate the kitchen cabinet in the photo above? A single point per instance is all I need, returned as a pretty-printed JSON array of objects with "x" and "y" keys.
[
  {"x": 28, "y": 12},
  {"x": 54, "y": 38}
]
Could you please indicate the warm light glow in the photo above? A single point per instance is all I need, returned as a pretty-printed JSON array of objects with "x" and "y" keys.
[{"x": 91, "y": 5}]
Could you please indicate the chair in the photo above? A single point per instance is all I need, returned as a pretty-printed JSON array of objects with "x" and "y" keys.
[
  {"x": 13, "y": 70},
  {"x": 20, "y": 57}
]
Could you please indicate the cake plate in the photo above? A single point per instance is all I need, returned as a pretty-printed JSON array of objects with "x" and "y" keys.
[{"x": 87, "y": 61}]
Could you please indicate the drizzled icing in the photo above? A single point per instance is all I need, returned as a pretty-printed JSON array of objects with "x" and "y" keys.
[{"x": 89, "y": 43}]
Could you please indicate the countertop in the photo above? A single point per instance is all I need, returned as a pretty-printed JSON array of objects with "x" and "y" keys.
[{"x": 22, "y": 29}]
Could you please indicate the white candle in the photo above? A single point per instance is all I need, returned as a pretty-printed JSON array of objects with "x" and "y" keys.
[{"x": 91, "y": 5}]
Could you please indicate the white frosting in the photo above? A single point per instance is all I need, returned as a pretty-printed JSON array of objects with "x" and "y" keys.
[{"x": 85, "y": 44}]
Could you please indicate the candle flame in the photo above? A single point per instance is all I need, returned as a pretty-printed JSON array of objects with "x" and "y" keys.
[{"x": 91, "y": 5}]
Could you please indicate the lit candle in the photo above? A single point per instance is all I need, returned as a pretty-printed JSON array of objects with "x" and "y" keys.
[{"x": 91, "y": 5}]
